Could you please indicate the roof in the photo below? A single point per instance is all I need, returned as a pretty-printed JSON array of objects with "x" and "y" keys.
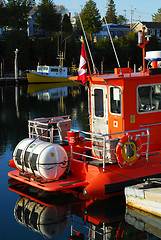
[
  {"x": 149, "y": 24},
  {"x": 33, "y": 10}
]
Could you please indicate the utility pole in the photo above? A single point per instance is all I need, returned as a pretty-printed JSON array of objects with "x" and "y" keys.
[{"x": 131, "y": 12}]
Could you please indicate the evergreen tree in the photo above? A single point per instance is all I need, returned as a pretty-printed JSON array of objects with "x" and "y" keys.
[
  {"x": 14, "y": 15},
  {"x": 66, "y": 26},
  {"x": 48, "y": 18},
  {"x": 156, "y": 17},
  {"x": 111, "y": 12},
  {"x": 121, "y": 19},
  {"x": 91, "y": 18}
]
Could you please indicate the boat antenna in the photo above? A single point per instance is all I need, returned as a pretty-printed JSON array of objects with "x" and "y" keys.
[
  {"x": 94, "y": 68},
  {"x": 110, "y": 38}
]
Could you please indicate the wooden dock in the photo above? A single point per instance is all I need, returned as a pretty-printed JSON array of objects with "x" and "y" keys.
[
  {"x": 12, "y": 81},
  {"x": 145, "y": 196}
]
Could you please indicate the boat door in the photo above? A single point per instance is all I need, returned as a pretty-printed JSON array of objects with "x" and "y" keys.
[{"x": 99, "y": 111}]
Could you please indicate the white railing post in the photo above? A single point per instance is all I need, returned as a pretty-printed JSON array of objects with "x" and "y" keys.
[{"x": 104, "y": 151}]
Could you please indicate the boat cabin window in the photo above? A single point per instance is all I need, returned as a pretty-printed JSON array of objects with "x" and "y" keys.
[
  {"x": 149, "y": 98},
  {"x": 54, "y": 69},
  {"x": 98, "y": 100},
  {"x": 42, "y": 69},
  {"x": 115, "y": 100}
]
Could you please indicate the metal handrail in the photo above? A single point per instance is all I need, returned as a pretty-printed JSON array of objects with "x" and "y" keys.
[{"x": 104, "y": 138}]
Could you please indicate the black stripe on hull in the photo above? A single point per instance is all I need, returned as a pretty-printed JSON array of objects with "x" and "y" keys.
[{"x": 119, "y": 186}]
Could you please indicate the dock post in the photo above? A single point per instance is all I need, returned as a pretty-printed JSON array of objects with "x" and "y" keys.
[
  {"x": 2, "y": 68},
  {"x": 1, "y": 71},
  {"x": 16, "y": 64}
]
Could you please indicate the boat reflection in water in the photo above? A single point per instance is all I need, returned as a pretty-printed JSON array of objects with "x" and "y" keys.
[
  {"x": 53, "y": 90},
  {"x": 143, "y": 221},
  {"x": 49, "y": 221},
  {"x": 50, "y": 214}
]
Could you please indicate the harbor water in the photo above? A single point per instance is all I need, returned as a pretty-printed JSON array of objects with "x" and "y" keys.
[{"x": 28, "y": 214}]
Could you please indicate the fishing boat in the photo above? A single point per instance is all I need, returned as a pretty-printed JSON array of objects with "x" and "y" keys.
[
  {"x": 46, "y": 74},
  {"x": 50, "y": 74},
  {"x": 122, "y": 147}
]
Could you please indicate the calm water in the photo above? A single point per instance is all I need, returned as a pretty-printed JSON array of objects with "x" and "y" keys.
[{"x": 50, "y": 217}]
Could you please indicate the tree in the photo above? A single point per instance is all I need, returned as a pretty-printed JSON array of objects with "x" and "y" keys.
[
  {"x": 67, "y": 28},
  {"x": 91, "y": 18},
  {"x": 61, "y": 9},
  {"x": 3, "y": 15},
  {"x": 156, "y": 17},
  {"x": 14, "y": 15},
  {"x": 48, "y": 18},
  {"x": 111, "y": 12},
  {"x": 121, "y": 19}
]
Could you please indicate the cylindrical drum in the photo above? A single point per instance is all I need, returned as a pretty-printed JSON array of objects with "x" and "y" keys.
[
  {"x": 73, "y": 138},
  {"x": 44, "y": 159}
]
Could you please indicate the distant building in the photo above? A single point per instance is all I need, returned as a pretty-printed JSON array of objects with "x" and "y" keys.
[
  {"x": 116, "y": 31},
  {"x": 1, "y": 32},
  {"x": 32, "y": 26},
  {"x": 151, "y": 28}
]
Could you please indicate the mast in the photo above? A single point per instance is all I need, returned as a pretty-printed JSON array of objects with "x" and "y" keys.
[{"x": 141, "y": 43}]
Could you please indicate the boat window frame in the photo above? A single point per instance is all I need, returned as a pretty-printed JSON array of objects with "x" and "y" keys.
[
  {"x": 137, "y": 98},
  {"x": 54, "y": 70},
  {"x": 112, "y": 113},
  {"x": 96, "y": 116}
]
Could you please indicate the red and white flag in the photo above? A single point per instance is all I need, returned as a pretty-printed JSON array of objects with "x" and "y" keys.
[{"x": 82, "y": 71}]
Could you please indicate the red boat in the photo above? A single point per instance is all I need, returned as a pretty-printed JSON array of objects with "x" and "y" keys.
[{"x": 122, "y": 148}]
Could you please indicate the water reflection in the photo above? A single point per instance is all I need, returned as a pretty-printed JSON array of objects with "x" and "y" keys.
[
  {"x": 49, "y": 214},
  {"x": 48, "y": 221},
  {"x": 20, "y": 103},
  {"x": 144, "y": 222}
]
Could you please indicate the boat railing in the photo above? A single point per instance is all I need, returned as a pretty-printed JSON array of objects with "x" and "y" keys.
[
  {"x": 51, "y": 129},
  {"x": 102, "y": 147}
]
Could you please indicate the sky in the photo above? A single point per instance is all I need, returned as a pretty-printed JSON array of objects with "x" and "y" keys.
[{"x": 141, "y": 9}]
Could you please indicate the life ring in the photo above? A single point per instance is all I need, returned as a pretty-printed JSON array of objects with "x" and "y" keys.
[{"x": 121, "y": 154}]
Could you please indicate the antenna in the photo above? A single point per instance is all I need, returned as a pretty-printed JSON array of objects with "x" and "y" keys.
[
  {"x": 94, "y": 68},
  {"x": 111, "y": 39}
]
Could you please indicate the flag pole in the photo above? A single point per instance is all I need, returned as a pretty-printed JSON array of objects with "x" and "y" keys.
[{"x": 89, "y": 68}]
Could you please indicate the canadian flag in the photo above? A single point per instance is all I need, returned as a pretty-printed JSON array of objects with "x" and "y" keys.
[{"x": 82, "y": 71}]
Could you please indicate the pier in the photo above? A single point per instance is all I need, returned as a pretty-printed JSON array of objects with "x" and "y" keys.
[
  {"x": 145, "y": 196},
  {"x": 10, "y": 80}
]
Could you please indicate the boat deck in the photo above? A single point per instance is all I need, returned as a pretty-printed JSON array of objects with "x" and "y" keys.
[{"x": 69, "y": 182}]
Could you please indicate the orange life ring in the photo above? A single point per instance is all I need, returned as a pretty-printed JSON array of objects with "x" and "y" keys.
[{"x": 121, "y": 155}]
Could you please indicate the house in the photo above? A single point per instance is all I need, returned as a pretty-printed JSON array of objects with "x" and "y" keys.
[
  {"x": 116, "y": 31},
  {"x": 32, "y": 26},
  {"x": 151, "y": 28},
  {"x": 1, "y": 32}
]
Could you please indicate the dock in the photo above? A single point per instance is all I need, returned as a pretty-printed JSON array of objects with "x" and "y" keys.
[
  {"x": 12, "y": 81},
  {"x": 145, "y": 196}
]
